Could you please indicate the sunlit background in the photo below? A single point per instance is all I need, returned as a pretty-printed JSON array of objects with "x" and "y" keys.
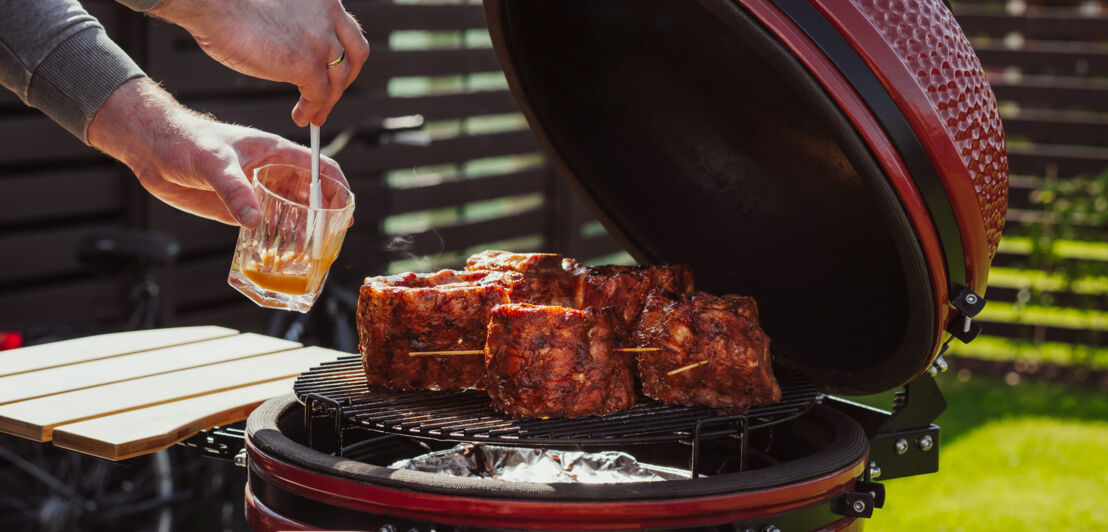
[{"x": 1025, "y": 439}]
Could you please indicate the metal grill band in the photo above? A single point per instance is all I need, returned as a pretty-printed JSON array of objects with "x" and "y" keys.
[{"x": 468, "y": 416}]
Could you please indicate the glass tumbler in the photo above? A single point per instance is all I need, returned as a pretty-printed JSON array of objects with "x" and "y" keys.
[{"x": 283, "y": 262}]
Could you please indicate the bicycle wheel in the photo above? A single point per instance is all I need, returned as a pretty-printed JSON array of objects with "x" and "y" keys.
[{"x": 50, "y": 489}]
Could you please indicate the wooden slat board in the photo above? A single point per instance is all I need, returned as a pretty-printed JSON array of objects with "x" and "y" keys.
[
  {"x": 102, "y": 346},
  {"x": 125, "y": 394},
  {"x": 27, "y": 197},
  {"x": 52, "y": 248},
  {"x": 76, "y": 301},
  {"x": 146, "y": 430},
  {"x": 27, "y": 146},
  {"x": 1064, "y": 60},
  {"x": 446, "y": 151},
  {"x": 74, "y": 377},
  {"x": 379, "y": 18},
  {"x": 466, "y": 235},
  {"x": 1057, "y": 127},
  {"x": 1052, "y": 93},
  {"x": 36, "y": 418},
  {"x": 1055, "y": 24},
  {"x": 459, "y": 192},
  {"x": 1064, "y": 161}
]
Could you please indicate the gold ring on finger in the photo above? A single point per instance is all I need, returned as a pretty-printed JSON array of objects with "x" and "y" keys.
[{"x": 335, "y": 63}]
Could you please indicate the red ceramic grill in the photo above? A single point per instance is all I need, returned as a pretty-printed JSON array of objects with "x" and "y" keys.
[{"x": 842, "y": 162}]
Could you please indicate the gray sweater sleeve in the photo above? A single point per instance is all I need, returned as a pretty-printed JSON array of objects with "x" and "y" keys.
[
  {"x": 140, "y": 5},
  {"x": 57, "y": 58}
]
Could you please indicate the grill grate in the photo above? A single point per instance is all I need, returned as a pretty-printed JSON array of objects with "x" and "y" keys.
[{"x": 468, "y": 417}]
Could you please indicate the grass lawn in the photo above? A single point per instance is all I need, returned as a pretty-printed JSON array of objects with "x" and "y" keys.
[{"x": 1033, "y": 456}]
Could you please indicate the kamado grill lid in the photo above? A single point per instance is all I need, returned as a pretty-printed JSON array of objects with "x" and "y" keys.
[{"x": 843, "y": 164}]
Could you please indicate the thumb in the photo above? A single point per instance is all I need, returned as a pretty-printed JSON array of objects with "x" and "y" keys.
[
  {"x": 235, "y": 191},
  {"x": 313, "y": 98}
]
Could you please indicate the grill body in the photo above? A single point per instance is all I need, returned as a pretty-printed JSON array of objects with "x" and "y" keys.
[
  {"x": 842, "y": 162},
  {"x": 292, "y": 486},
  {"x": 340, "y": 390}
]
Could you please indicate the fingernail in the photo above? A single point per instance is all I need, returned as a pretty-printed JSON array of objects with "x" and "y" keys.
[{"x": 250, "y": 216}]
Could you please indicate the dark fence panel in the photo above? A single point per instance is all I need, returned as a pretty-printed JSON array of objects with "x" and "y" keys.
[
  {"x": 1065, "y": 22},
  {"x": 1047, "y": 64},
  {"x": 473, "y": 185},
  {"x": 54, "y": 189},
  {"x": 476, "y": 179}
]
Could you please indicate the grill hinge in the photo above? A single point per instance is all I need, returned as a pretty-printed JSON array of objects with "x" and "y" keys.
[
  {"x": 861, "y": 502},
  {"x": 969, "y": 305},
  {"x": 908, "y": 442},
  {"x": 225, "y": 443},
  {"x": 904, "y": 442}
]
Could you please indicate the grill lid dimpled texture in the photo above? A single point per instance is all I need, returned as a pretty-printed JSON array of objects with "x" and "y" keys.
[
  {"x": 784, "y": 150},
  {"x": 932, "y": 46}
]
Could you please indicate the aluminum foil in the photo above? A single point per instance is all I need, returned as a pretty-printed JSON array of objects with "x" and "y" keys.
[{"x": 521, "y": 464}]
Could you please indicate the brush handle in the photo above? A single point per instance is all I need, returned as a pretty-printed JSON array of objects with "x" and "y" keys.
[{"x": 315, "y": 200}]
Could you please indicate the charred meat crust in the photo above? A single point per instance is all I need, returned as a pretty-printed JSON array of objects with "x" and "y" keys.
[
  {"x": 624, "y": 289},
  {"x": 545, "y": 278},
  {"x": 445, "y": 310},
  {"x": 546, "y": 362},
  {"x": 696, "y": 327},
  {"x": 506, "y": 261}
]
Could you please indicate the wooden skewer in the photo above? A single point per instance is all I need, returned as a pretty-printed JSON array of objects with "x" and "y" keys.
[
  {"x": 431, "y": 353},
  {"x": 686, "y": 368},
  {"x": 480, "y": 351}
]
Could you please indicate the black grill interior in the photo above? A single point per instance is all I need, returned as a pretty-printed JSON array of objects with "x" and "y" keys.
[
  {"x": 698, "y": 139},
  {"x": 340, "y": 388}
]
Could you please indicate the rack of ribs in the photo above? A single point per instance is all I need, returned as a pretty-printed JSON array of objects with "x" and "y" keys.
[
  {"x": 547, "y": 362},
  {"x": 545, "y": 278},
  {"x": 624, "y": 289},
  {"x": 723, "y": 333},
  {"x": 445, "y": 311}
]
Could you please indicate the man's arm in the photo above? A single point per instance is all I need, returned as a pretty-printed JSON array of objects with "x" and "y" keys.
[
  {"x": 189, "y": 160},
  {"x": 291, "y": 41},
  {"x": 57, "y": 58}
]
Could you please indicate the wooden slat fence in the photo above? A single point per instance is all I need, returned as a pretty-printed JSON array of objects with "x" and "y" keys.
[
  {"x": 479, "y": 180},
  {"x": 1048, "y": 63},
  {"x": 53, "y": 189},
  {"x": 475, "y": 180}
]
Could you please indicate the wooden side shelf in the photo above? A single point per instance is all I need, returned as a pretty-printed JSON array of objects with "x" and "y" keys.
[{"x": 121, "y": 395}]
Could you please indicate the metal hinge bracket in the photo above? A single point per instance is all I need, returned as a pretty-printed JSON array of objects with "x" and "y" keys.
[
  {"x": 224, "y": 443},
  {"x": 969, "y": 305},
  {"x": 860, "y": 502}
]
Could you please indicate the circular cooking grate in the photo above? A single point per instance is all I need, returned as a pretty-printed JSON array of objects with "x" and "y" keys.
[{"x": 468, "y": 416}]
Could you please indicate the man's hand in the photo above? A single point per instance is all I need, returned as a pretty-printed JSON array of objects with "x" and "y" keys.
[
  {"x": 279, "y": 40},
  {"x": 188, "y": 160}
]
